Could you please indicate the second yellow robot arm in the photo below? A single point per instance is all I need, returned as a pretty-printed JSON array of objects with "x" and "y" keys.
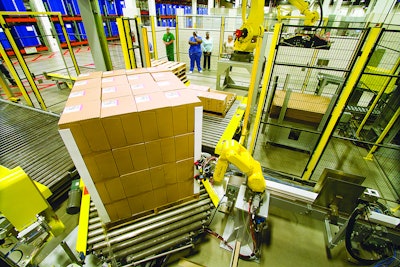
[{"x": 235, "y": 153}]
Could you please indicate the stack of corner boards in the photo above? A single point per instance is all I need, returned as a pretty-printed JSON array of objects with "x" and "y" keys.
[
  {"x": 131, "y": 135},
  {"x": 177, "y": 68}
]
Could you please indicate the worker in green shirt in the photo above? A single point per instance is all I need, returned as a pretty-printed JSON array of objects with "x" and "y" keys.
[{"x": 169, "y": 39}]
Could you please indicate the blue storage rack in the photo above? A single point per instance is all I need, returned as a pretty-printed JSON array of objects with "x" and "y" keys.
[
  {"x": 106, "y": 29},
  {"x": 4, "y": 41},
  {"x": 74, "y": 7},
  {"x": 114, "y": 28},
  {"x": 82, "y": 31},
  {"x": 12, "y": 5},
  {"x": 111, "y": 7},
  {"x": 70, "y": 31},
  {"x": 25, "y": 35},
  {"x": 56, "y": 6},
  {"x": 120, "y": 5}
]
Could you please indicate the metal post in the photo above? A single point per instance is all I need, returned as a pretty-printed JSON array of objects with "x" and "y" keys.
[
  {"x": 358, "y": 68},
  {"x": 178, "y": 58},
  {"x": 4, "y": 86},
  {"x": 153, "y": 36},
  {"x": 221, "y": 38},
  {"x": 71, "y": 51},
  {"x": 124, "y": 44},
  {"x": 91, "y": 18},
  {"x": 146, "y": 50},
  {"x": 384, "y": 133},
  {"x": 128, "y": 37},
  {"x": 267, "y": 81},
  {"x": 253, "y": 87}
]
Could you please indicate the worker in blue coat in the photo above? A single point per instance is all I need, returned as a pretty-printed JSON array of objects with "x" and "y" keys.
[{"x": 195, "y": 51}]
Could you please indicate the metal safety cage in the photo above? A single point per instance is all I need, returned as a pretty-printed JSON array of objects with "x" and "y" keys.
[
  {"x": 26, "y": 35},
  {"x": 367, "y": 134},
  {"x": 134, "y": 42},
  {"x": 304, "y": 87}
]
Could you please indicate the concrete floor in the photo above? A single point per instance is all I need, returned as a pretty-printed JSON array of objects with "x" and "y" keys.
[{"x": 297, "y": 240}]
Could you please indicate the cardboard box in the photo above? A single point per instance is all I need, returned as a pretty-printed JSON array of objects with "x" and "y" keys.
[
  {"x": 184, "y": 146},
  {"x": 139, "y": 157},
  {"x": 164, "y": 76},
  {"x": 136, "y": 71},
  {"x": 115, "y": 91},
  {"x": 148, "y": 200},
  {"x": 157, "y": 177},
  {"x": 112, "y": 73},
  {"x": 136, "y": 183},
  {"x": 213, "y": 102},
  {"x": 122, "y": 208},
  {"x": 160, "y": 151},
  {"x": 115, "y": 189},
  {"x": 183, "y": 103},
  {"x": 136, "y": 204},
  {"x": 144, "y": 88},
  {"x": 200, "y": 88},
  {"x": 101, "y": 166},
  {"x": 172, "y": 192},
  {"x": 114, "y": 80},
  {"x": 169, "y": 85},
  {"x": 90, "y": 75},
  {"x": 160, "y": 195},
  {"x": 185, "y": 189},
  {"x": 83, "y": 95},
  {"x": 85, "y": 84},
  {"x": 112, "y": 213},
  {"x": 120, "y": 120},
  {"x": 155, "y": 115},
  {"x": 105, "y": 165},
  {"x": 90, "y": 129},
  {"x": 170, "y": 173},
  {"x": 185, "y": 170},
  {"x": 158, "y": 69},
  {"x": 139, "y": 78},
  {"x": 122, "y": 157},
  {"x": 102, "y": 190}
]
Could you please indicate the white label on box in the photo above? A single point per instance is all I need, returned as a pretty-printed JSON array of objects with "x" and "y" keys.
[
  {"x": 77, "y": 94},
  {"x": 163, "y": 83},
  {"x": 158, "y": 75},
  {"x": 84, "y": 75},
  {"x": 137, "y": 86},
  {"x": 142, "y": 98},
  {"x": 109, "y": 90},
  {"x": 133, "y": 77},
  {"x": 72, "y": 109},
  {"x": 29, "y": 28},
  {"x": 108, "y": 80},
  {"x": 172, "y": 94},
  {"x": 80, "y": 83},
  {"x": 108, "y": 72},
  {"x": 109, "y": 103},
  {"x": 68, "y": 26}
]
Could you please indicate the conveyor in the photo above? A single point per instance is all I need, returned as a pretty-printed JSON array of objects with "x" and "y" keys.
[
  {"x": 148, "y": 236},
  {"x": 221, "y": 128},
  {"x": 30, "y": 139}
]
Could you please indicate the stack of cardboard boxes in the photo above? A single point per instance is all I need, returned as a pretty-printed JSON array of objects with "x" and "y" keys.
[{"x": 135, "y": 132}]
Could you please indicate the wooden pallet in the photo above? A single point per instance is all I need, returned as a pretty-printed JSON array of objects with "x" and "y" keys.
[{"x": 177, "y": 68}]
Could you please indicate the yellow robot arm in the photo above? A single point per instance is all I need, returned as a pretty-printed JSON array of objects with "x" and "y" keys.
[
  {"x": 309, "y": 16},
  {"x": 246, "y": 36},
  {"x": 235, "y": 153}
]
